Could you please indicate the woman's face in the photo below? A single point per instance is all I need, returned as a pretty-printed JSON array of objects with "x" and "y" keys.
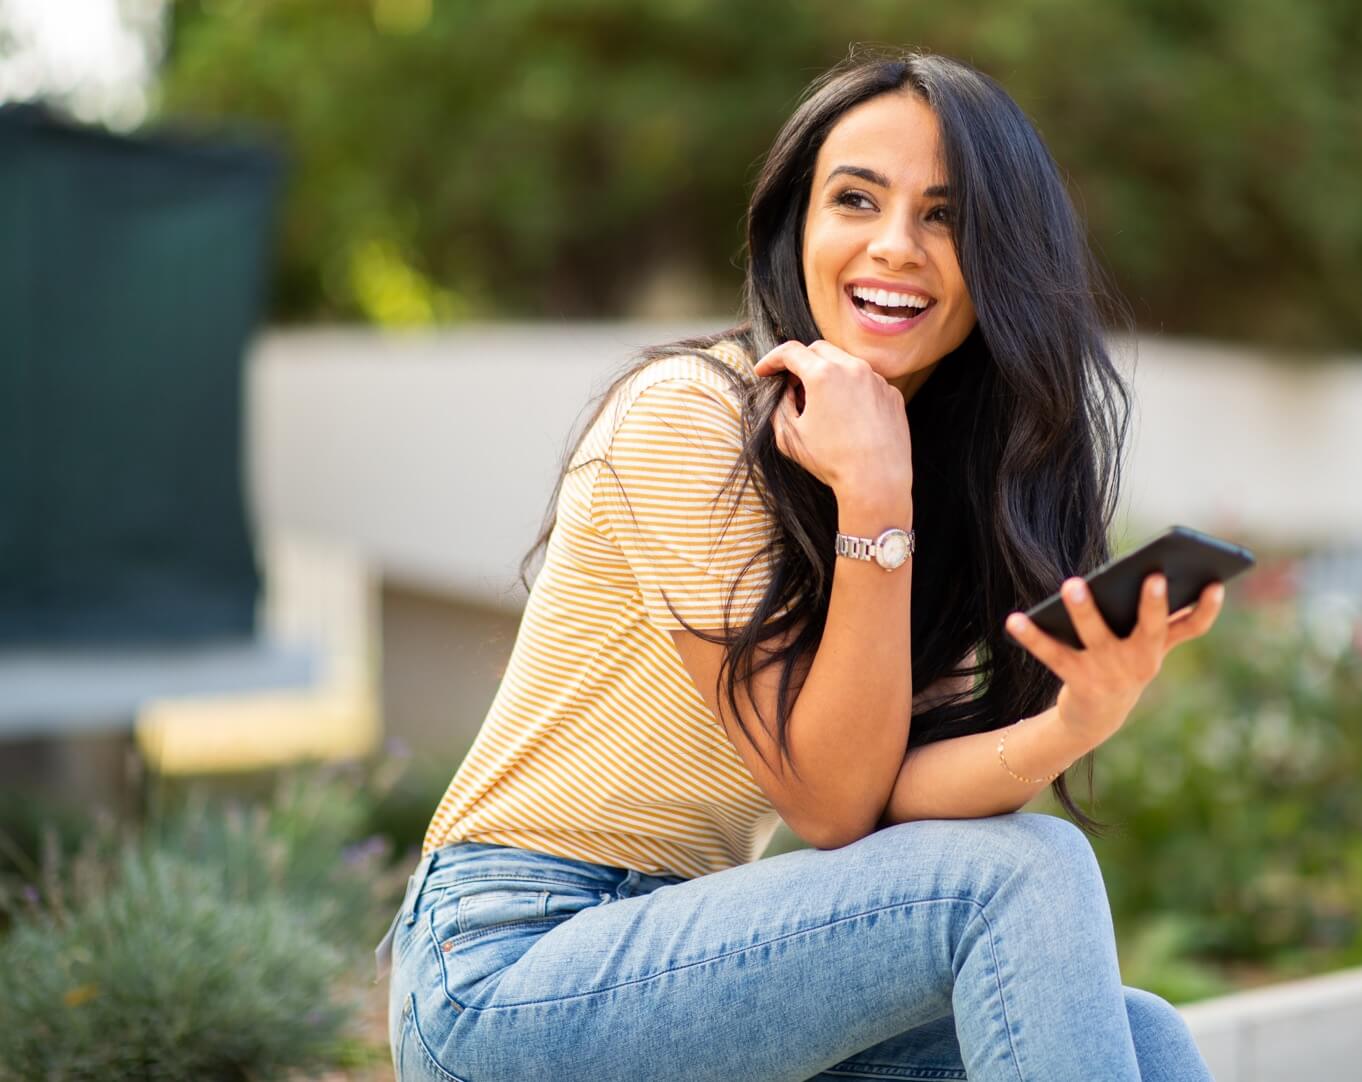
[{"x": 877, "y": 242}]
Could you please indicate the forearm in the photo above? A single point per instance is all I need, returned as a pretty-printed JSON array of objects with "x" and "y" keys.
[
  {"x": 839, "y": 736},
  {"x": 961, "y": 778}
]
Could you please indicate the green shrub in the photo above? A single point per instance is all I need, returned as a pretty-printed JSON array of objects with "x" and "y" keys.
[
  {"x": 168, "y": 976},
  {"x": 1234, "y": 795},
  {"x": 218, "y": 941},
  {"x": 401, "y": 811}
]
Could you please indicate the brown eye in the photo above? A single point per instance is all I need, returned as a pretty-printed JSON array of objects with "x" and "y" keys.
[{"x": 855, "y": 200}]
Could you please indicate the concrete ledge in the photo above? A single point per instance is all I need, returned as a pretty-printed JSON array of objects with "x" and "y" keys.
[
  {"x": 1303, "y": 1029},
  {"x": 431, "y": 455}
]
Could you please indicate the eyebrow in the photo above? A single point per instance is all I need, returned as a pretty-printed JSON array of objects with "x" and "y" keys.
[{"x": 936, "y": 191}]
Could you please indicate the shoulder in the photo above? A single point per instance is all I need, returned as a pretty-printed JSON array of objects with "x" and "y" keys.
[{"x": 708, "y": 387}]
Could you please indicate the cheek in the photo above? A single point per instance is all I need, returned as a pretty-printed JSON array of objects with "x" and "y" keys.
[
  {"x": 826, "y": 250},
  {"x": 964, "y": 307}
]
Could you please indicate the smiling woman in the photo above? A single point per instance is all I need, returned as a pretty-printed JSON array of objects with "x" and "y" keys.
[
  {"x": 735, "y": 621},
  {"x": 879, "y": 258}
]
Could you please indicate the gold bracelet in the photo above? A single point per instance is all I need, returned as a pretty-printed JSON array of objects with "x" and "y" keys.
[{"x": 1002, "y": 736}]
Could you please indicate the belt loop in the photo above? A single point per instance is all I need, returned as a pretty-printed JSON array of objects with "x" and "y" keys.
[
  {"x": 414, "y": 885},
  {"x": 628, "y": 885}
]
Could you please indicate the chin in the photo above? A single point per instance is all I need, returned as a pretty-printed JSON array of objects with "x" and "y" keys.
[{"x": 890, "y": 363}]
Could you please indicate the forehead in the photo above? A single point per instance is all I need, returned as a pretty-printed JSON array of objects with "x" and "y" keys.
[{"x": 896, "y": 134}]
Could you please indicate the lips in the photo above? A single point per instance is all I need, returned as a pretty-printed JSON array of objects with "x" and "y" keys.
[{"x": 878, "y": 319}]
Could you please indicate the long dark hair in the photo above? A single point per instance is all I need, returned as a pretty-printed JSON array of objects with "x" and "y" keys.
[{"x": 1017, "y": 435}]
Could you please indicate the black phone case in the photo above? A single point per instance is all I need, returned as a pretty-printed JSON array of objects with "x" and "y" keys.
[{"x": 1191, "y": 561}]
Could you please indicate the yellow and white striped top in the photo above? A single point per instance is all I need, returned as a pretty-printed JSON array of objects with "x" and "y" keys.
[{"x": 598, "y": 746}]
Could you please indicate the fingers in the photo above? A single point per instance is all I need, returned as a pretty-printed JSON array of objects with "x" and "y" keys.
[
  {"x": 1153, "y": 620},
  {"x": 1083, "y": 612},
  {"x": 829, "y": 352},
  {"x": 1052, "y": 653},
  {"x": 804, "y": 360},
  {"x": 1199, "y": 620},
  {"x": 784, "y": 420},
  {"x": 788, "y": 357}
]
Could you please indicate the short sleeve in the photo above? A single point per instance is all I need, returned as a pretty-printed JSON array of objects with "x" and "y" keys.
[{"x": 688, "y": 526}]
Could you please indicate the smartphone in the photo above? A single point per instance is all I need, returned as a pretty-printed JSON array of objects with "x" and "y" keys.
[{"x": 1189, "y": 559}]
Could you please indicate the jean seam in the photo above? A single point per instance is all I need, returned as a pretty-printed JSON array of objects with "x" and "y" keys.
[
  {"x": 416, "y": 886},
  {"x": 460, "y": 938},
  {"x": 743, "y": 950},
  {"x": 1002, "y": 996},
  {"x": 539, "y": 880},
  {"x": 908, "y": 1074},
  {"x": 424, "y": 1049}
]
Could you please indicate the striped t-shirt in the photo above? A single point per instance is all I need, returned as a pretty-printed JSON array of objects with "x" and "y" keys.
[{"x": 597, "y": 745}]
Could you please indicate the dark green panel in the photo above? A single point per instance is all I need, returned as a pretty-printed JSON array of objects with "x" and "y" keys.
[{"x": 130, "y": 280}]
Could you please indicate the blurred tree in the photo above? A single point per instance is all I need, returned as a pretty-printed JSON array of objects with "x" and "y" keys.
[{"x": 592, "y": 157}]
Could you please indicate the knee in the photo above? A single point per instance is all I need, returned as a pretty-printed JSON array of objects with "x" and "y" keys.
[
  {"x": 1154, "y": 1022},
  {"x": 1049, "y": 862},
  {"x": 1041, "y": 853},
  {"x": 1045, "y": 845}
]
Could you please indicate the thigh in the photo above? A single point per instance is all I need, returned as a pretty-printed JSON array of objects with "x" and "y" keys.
[{"x": 777, "y": 969}]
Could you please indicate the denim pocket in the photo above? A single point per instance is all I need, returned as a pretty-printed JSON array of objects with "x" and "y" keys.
[
  {"x": 482, "y": 927},
  {"x": 491, "y": 907}
]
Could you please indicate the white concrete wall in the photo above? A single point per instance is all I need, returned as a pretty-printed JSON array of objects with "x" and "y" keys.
[
  {"x": 433, "y": 455},
  {"x": 1309, "y": 1029}
]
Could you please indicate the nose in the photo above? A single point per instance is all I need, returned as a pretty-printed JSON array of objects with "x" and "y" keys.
[{"x": 897, "y": 245}]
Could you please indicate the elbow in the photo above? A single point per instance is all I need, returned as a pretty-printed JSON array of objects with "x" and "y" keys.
[
  {"x": 827, "y": 835},
  {"x": 826, "y": 840}
]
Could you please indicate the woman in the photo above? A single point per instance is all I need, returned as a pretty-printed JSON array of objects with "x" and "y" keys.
[{"x": 722, "y": 634}]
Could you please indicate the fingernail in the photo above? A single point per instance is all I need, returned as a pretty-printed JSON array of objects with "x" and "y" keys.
[
  {"x": 1158, "y": 586},
  {"x": 1218, "y": 593},
  {"x": 1016, "y": 622},
  {"x": 1077, "y": 591}
]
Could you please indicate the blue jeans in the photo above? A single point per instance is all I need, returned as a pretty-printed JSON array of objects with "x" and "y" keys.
[{"x": 942, "y": 949}]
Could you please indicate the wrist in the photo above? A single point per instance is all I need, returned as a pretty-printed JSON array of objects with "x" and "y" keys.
[
  {"x": 867, "y": 514},
  {"x": 1043, "y": 748},
  {"x": 1087, "y": 726}
]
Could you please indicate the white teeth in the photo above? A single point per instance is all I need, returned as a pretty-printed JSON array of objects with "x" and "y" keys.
[
  {"x": 884, "y": 319},
  {"x": 886, "y": 299}
]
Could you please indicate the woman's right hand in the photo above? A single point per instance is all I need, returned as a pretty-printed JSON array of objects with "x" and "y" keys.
[{"x": 852, "y": 431}]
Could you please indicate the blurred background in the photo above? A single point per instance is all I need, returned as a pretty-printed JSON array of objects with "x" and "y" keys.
[{"x": 300, "y": 305}]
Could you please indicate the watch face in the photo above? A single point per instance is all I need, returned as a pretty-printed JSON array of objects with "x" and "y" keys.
[{"x": 892, "y": 548}]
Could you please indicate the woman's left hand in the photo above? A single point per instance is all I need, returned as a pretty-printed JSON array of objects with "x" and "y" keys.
[{"x": 1103, "y": 681}]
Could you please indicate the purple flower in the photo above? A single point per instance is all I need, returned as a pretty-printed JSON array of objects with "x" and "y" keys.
[{"x": 362, "y": 852}]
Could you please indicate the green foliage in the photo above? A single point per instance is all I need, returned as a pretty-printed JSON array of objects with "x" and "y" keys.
[
  {"x": 220, "y": 941},
  {"x": 194, "y": 984},
  {"x": 552, "y": 158},
  {"x": 1234, "y": 791},
  {"x": 400, "y": 813}
]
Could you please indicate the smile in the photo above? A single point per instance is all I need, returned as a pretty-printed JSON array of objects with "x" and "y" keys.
[{"x": 883, "y": 312}]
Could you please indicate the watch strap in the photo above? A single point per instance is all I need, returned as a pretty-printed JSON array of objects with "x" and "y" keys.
[
  {"x": 858, "y": 548},
  {"x": 867, "y": 548}
]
